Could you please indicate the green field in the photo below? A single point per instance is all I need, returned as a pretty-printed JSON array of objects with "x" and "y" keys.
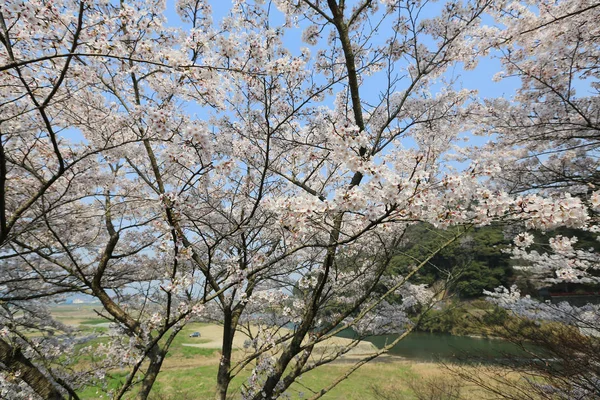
[{"x": 190, "y": 372}]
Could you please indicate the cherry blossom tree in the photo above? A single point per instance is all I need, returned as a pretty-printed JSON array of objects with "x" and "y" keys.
[
  {"x": 73, "y": 109},
  {"x": 548, "y": 137},
  {"x": 548, "y": 133},
  {"x": 213, "y": 171}
]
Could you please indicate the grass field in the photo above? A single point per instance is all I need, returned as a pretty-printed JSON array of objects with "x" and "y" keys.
[{"x": 190, "y": 368}]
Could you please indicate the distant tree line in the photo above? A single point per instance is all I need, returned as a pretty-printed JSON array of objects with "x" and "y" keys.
[
  {"x": 471, "y": 265},
  {"x": 479, "y": 261}
]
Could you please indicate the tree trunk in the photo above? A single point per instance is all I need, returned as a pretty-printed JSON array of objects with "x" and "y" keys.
[
  {"x": 223, "y": 377},
  {"x": 16, "y": 362},
  {"x": 156, "y": 359}
]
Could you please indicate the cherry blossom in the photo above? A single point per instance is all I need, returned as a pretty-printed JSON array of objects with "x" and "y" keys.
[{"x": 210, "y": 170}]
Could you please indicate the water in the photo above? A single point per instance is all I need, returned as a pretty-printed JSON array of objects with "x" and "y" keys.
[{"x": 432, "y": 347}]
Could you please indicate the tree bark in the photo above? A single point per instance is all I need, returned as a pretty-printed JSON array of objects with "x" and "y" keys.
[
  {"x": 156, "y": 360},
  {"x": 223, "y": 375},
  {"x": 15, "y": 361}
]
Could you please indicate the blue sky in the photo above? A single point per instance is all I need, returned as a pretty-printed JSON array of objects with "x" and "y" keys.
[{"x": 480, "y": 78}]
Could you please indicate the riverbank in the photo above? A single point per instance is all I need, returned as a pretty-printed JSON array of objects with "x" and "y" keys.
[{"x": 474, "y": 318}]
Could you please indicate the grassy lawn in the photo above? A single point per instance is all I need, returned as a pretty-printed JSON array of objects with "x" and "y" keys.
[
  {"x": 93, "y": 321},
  {"x": 188, "y": 381},
  {"x": 190, "y": 369},
  {"x": 199, "y": 382}
]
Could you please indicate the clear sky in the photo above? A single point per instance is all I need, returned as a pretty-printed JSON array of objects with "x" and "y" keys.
[{"x": 480, "y": 78}]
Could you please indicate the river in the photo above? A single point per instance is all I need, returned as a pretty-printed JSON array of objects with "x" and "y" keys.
[{"x": 421, "y": 346}]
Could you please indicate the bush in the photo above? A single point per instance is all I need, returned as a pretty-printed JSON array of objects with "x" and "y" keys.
[{"x": 431, "y": 388}]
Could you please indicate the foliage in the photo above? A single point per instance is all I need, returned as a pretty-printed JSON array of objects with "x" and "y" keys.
[
  {"x": 550, "y": 142},
  {"x": 441, "y": 388},
  {"x": 423, "y": 388},
  {"x": 465, "y": 318},
  {"x": 561, "y": 362},
  {"x": 475, "y": 263}
]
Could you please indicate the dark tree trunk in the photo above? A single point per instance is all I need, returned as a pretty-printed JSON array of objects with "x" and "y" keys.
[
  {"x": 16, "y": 362},
  {"x": 156, "y": 359},
  {"x": 223, "y": 376}
]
